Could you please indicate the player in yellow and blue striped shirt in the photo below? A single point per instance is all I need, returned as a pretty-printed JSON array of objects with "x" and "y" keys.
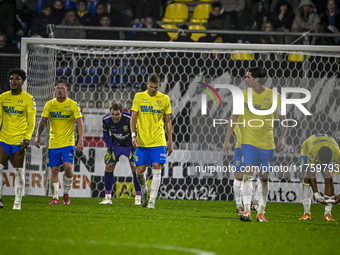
[
  {"x": 319, "y": 153},
  {"x": 17, "y": 117},
  {"x": 62, "y": 111},
  {"x": 149, "y": 110}
]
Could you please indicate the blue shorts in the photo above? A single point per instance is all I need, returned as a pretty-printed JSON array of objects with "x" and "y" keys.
[
  {"x": 258, "y": 157},
  {"x": 10, "y": 149},
  {"x": 304, "y": 165},
  {"x": 57, "y": 157},
  {"x": 238, "y": 159},
  {"x": 128, "y": 151},
  {"x": 147, "y": 156}
]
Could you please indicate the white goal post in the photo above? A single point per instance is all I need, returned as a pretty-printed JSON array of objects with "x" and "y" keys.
[{"x": 102, "y": 72}]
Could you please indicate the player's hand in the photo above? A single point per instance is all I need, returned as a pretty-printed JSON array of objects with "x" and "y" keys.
[
  {"x": 319, "y": 198},
  {"x": 337, "y": 199},
  {"x": 37, "y": 141},
  {"x": 109, "y": 155},
  {"x": 226, "y": 148},
  {"x": 24, "y": 143},
  {"x": 280, "y": 146},
  {"x": 135, "y": 142},
  {"x": 80, "y": 146},
  {"x": 169, "y": 149}
]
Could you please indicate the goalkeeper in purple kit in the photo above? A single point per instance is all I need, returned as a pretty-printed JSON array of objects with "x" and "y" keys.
[{"x": 117, "y": 135}]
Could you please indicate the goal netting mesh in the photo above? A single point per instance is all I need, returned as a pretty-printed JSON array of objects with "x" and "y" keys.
[{"x": 100, "y": 73}]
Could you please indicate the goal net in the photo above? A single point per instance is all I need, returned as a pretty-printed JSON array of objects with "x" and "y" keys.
[{"x": 102, "y": 72}]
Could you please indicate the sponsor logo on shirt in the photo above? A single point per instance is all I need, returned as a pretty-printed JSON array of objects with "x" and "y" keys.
[
  {"x": 125, "y": 128},
  {"x": 59, "y": 115},
  {"x": 10, "y": 109},
  {"x": 149, "y": 109}
]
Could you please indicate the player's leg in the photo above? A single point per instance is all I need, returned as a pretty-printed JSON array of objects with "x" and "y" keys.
[
  {"x": 138, "y": 197},
  {"x": 306, "y": 191},
  {"x": 68, "y": 158},
  {"x": 108, "y": 182},
  {"x": 158, "y": 158},
  {"x": 256, "y": 195},
  {"x": 237, "y": 184},
  {"x": 141, "y": 161},
  {"x": 329, "y": 194},
  {"x": 4, "y": 156},
  {"x": 18, "y": 163},
  {"x": 54, "y": 161}
]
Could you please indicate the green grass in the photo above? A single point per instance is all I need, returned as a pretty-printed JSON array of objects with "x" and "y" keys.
[{"x": 175, "y": 227}]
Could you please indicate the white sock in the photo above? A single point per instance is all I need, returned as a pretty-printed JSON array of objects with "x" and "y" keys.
[
  {"x": 237, "y": 192},
  {"x": 263, "y": 195},
  {"x": 1, "y": 179},
  {"x": 67, "y": 184},
  {"x": 55, "y": 190},
  {"x": 247, "y": 191},
  {"x": 19, "y": 183},
  {"x": 328, "y": 206},
  {"x": 141, "y": 180},
  {"x": 156, "y": 181},
  {"x": 257, "y": 192},
  {"x": 306, "y": 197}
]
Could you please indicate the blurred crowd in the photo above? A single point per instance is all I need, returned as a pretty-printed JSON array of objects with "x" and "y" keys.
[{"x": 30, "y": 17}]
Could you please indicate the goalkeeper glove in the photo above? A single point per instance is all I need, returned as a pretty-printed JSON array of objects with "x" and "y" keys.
[
  {"x": 319, "y": 198},
  {"x": 110, "y": 154}
]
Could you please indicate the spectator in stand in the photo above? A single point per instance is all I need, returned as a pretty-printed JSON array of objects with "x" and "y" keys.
[
  {"x": 86, "y": 18},
  {"x": 267, "y": 39},
  {"x": 220, "y": 19},
  {"x": 282, "y": 20},
  {"x": 125, "y": 9},
  {"x": 183, "y": 36},
  {"x": 147, "y": 8},
  {"x": 102, "y": 7},
  {"x": 235, "y": 8},
  {"x": 321, "y": 27},
  {"x": 58, "y": 10},
  {"x": 7, "y": 18},
  {"x": 252, "y": 20},
  {"x": 306, "y": 18},
  {"x": 27, "y": 11},
  {"x": 40, "y": 23},
  {"x": 105, "y": 21},
  {"x": 150, "y": 36},
  {"x": 331, "y": 17},
  {"x": 6, "y": 46},
  {"x": 212, "y": 38},
  {"x": 70, "y": 19},
  {"x": 293, "y": 3}
]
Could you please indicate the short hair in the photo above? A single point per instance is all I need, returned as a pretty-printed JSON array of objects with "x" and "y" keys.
[
  {"x": 82, "y": 1},
  {"x": 154, "y": 78},
  {"x": 258, "y": 72},
  {"x": 61, "y": 81},
  {"x": 103, "y": 3},
  {"x": 105, "y": 15},
  {"x": 18, "y": 71},
  {"x": 116, "y": 107},
  {"x": 216, "y": 5},
  {"x": 70, "y": 10},
  {"x": 325, "y": 155}
]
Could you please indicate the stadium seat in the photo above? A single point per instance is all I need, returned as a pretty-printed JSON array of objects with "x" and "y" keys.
[
  {"x": 183, "y": 1},
  {"x": 25, "y": 28},
  {"x": 173, "y": 36},
  {"x": 201, "y": 14},
  {"x": 242, "y": 56},
  {"x": 295, "y": 57},
  {"x": 70, "y": 5},
  {"x": 91, "y": 6},
  {"x": 206, "y": 1},
  {"x": 176, "y": 13},
  {"x": 40, "y": 4},
  {"x": 196, "y": 36}
]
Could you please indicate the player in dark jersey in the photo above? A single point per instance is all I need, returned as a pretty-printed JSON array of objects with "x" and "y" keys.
[{"x": 117, "y": 135}]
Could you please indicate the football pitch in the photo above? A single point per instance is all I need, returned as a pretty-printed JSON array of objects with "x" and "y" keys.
[{"x": 174, "y": 227}]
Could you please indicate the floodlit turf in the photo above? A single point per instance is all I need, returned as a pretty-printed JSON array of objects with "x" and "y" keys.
[{"x": 175, "y": 227}]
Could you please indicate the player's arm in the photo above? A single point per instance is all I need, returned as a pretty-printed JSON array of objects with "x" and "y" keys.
[
  {"x": 80, "y": 144},
  {"x": 31, "y": 125},
  {"x": 280, "y": 146},
  {"x": 107, "y": 139},
  {"x": 168, "y": 126},
  {"x": 230, "y": 129},
  {"x": 311, "y": 173},
  {"x": 41, "y": 127},
  {"x": 133, "y": 124}
]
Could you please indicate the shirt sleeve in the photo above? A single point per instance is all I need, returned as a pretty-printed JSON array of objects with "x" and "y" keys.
[
  {"x": 106, "y": 134},
  {"x": 31, "y": 112},
  {"x": 135, "y": 105},
  {"x": 76, "y": 111},
  {"x": 46, "y": 111},
  {"x": 168, "y": 106}
]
